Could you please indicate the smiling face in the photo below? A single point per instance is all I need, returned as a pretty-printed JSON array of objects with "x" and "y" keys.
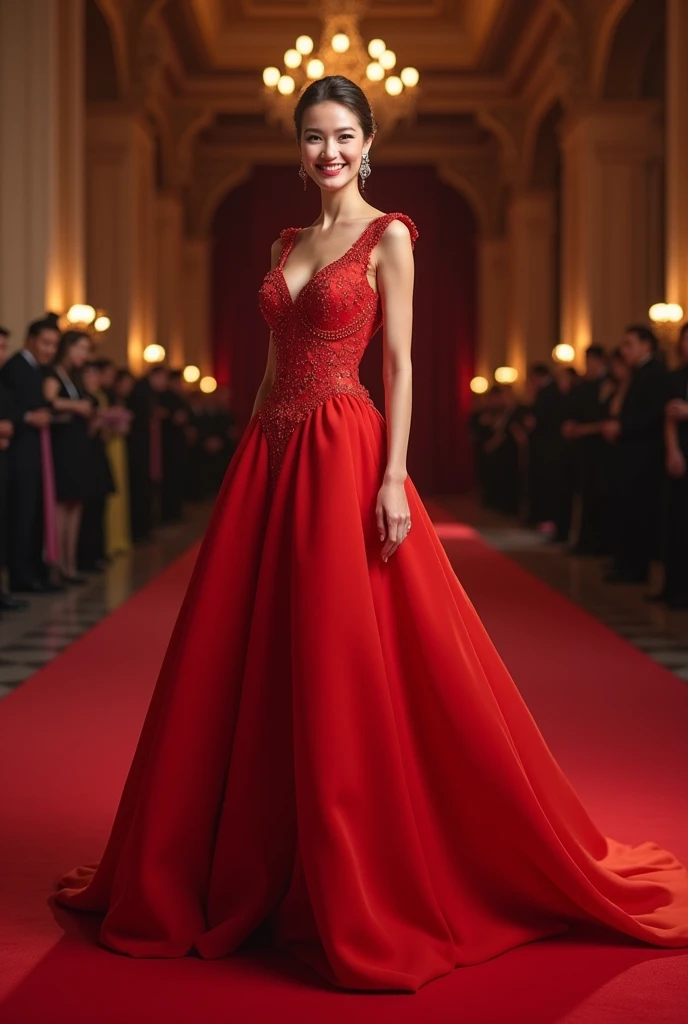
[{"x": 332, "y": 144}]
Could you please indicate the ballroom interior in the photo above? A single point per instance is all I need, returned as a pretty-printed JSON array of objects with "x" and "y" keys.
[{"x": 541, "y": 153}]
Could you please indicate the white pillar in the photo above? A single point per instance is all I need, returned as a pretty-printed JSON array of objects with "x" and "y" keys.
[
  {"x": 121, "y": 211},
  {"x": 677, "y": 154},
  {"x": 493, "y": 305},
  {"x": 170, "y": 283},
  {"x": 196, "y": 303},
  {"x": 612, "y": 240},
  {"x": 41, "y": 159},
  {"x": 532, "y": 280}
]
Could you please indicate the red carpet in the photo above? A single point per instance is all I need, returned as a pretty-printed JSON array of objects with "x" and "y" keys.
[{"x": 617, "y": 722}]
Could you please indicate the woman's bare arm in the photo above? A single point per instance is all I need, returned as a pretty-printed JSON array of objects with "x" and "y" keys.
[{"x": 269, "y": 376}]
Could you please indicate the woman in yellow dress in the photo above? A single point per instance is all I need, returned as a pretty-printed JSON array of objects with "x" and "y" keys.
[{"x": 118, "y": 420}]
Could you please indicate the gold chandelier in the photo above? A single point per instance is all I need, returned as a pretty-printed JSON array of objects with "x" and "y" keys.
[{"x": 342, "y": 51}]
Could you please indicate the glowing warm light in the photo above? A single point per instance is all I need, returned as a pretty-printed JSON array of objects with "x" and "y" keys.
[
  {"x": 153, "y": 353},
  {"x": 315, "y": 68},
  {"x": 191, "y": 374},
  {"x": 564, "y": 353},
  {"x": 286, "y": 85},
  {"x": 394, "y": 85},
  {"x": 409, "y": 76},
  {"x": 375, "y": 72},
  {"x": 340, "y": 42},
  {"x": 666, "y": 313},
  {"x": 271, "y": 77},
  {"x": 81, "y": 314},
  {"x": 506, "y": 375},
  {"x": 304, "y": 44},
  {"x": 479, "y": 385},
  {"x": 102, "y": 323},
  {"x": 292, "y": 58},
  {"x": 388, "y": 59},
  {"x": 208, "y": 385},
  {"x": 376, "y": 47}
]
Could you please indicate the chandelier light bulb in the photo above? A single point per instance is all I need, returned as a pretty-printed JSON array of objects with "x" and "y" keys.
[
  {"x": 315, "y": 68},
  {"x": 479, "y": 385},
  {"x": 286, "y": 85},
  {"x": 409, "y": 77},
  {"x": 153, "y": 353},
  {"x": 304, "y": 44},
  {"x": 271, "y": 77},
  {"x": 564, "y": 353},
  {"x": 81, "y": 314},
  {"x": 375, "y": 72},
  {"x": 191, "y": 374},
  {"x": 506, "y": 375},
  {"x": 102, "y": 323},
  {"x": 292, "y": 58},
  {"x": 394, "y": 85},
  {"x": 376, "y": 47},
  {"x": 208, "y": 385},
  {"x": 388, "y": 59},
  {"x": 340, "y": 42}
]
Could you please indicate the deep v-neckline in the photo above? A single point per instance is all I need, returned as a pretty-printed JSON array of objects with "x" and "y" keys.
[{"x": 328, "y": 266}]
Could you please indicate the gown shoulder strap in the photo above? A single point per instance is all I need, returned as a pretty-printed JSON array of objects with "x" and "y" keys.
[
  {"x": 287, "y": 236},
  {"x": 378, "y": 227}
]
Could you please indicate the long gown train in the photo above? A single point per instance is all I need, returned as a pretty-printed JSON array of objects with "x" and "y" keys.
[{"x": 334, "y": 750}]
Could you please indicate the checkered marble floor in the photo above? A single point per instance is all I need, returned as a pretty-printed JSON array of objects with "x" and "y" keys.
[{"x": 30, "y": 639}]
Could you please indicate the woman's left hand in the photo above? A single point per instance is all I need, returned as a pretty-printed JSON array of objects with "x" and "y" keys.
[{"x": 393, "y": 517}]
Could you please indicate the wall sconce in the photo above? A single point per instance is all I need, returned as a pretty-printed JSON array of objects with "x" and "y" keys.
[
  {"x": 563, "y": 353},
  {"x": 153, "y": 354},
  {"x": 479, "y": 385},
  {"x": 666, "y": 313},
  {"x": 208, "y": 385},
  {"x": 506, "y": 374},
  {"x": 82, "y": 317},
  {"x": 191, "y": 374}
]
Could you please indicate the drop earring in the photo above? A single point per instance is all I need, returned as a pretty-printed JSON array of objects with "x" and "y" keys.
[
  {"x": 365, "y": 169},
  {"x": 303, "y": 176}
]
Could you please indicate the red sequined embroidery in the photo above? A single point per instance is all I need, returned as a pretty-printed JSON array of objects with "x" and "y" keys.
[{"x": 319, "y": 337}]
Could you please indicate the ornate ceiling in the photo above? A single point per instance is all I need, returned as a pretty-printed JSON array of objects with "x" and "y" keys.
[{"x": 492, "y": 71}]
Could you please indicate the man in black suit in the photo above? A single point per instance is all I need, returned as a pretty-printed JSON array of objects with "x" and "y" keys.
[
  {"x": 550, "y": 469},
  {"x": 638, "y": 434},
  {"x": 8, "y": 415},
  {"x": 587, "y": 411},
  {"x": 22, "y": 377}
]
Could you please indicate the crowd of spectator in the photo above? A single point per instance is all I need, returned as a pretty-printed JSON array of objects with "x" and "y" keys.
[
  {"x": 598, "y": 461},
  {"x": 93, "y": 460}
]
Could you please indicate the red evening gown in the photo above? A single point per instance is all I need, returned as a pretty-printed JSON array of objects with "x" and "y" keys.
[{"x": 334, "y": 752}]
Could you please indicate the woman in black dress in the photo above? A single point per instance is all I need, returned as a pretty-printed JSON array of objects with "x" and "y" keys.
[
  {"x": 675, "y": 546},
  {"x": 73, "y": 410}
]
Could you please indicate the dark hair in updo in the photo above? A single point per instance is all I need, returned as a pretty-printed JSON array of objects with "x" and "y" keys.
[{"x": 336, "y": 89}]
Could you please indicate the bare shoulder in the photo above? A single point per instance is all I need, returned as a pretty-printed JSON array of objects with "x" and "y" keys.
[
  {"x": 275, "y": 252},
  {"x": 396, "y": 232}
]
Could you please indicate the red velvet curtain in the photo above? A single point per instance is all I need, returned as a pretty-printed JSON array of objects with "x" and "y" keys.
[{"x": 247, "y": 223}]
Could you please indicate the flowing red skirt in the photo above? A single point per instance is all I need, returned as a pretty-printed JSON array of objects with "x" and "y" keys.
[{"x": 335, "y": 752}]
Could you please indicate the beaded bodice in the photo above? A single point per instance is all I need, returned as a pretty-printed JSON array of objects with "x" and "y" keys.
[{"x": 319, "y": 336}]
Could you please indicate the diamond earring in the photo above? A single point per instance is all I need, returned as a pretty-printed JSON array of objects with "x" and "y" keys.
[
  {"x": 303, "y": 176},
  {"x": 365, "y": 169}
]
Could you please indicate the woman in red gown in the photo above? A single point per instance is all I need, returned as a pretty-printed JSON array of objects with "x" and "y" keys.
[{"x": 334, "y": 751}]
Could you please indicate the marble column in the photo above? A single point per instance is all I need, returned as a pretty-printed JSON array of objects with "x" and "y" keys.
[
  {"x": 41, "y": 159},
  {"x": 493, "y": 305},
  {"x": 170, "y": 282},
  {"x": 532, "y": 280},
  {"x": 677, "y": 154},
  {"x": 196, "y": 303},
  {"x": 121, "y": 229},
  {"x": 612, "y": 248}
]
